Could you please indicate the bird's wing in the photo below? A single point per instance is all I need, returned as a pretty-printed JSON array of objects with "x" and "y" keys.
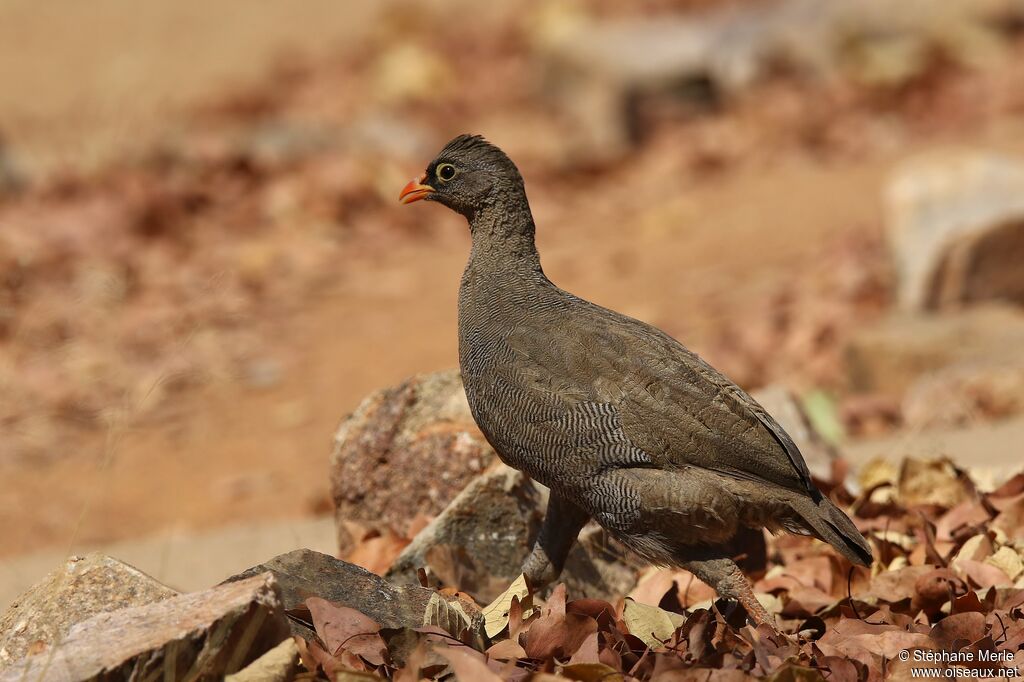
[{"x": 670, "y": 404}]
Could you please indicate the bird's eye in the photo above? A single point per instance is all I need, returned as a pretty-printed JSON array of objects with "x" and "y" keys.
[{"x": 445, "y": 172}]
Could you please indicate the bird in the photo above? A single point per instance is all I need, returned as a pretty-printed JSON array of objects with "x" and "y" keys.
[{"x": 622, "y": 423}]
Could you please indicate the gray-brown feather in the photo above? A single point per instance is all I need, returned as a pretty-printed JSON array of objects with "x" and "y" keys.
[
  {"x": 615, "y": 416},
  {"x": 619, "y": 418}
]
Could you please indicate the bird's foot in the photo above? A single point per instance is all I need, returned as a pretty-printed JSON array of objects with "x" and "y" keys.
[
  {"x": 539, "y": 571},
  {"x": 730, "y": 583},
  {"x": 755, "y": 609}
]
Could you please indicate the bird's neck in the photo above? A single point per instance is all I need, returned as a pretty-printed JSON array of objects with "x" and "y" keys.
[{"x": 503, "y": 237}]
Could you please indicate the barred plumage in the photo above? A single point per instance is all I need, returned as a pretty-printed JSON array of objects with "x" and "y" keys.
[{"x": 619, "y": 420}]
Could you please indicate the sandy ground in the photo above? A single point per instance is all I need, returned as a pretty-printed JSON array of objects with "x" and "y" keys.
[
  {"x": 234, "y": 454},
  {"x": 84, "y": 81}
]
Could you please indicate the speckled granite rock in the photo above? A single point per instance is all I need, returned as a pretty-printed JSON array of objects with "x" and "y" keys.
[
  {"x": 83, "y": 587},
  {"x": 199, "y": 636},
  {"x": 480, "y": 541},
  {"x": 304, "y": 573},
  {"x": 382, "y": 451}
]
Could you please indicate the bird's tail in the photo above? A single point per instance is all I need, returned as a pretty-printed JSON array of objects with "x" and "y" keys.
[{"x": 827, "y": 522}]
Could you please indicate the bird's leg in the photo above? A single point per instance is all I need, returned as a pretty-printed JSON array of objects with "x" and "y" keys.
[
  {"x": 562, "y": 524},
  {"x": 730, "y": 583}
]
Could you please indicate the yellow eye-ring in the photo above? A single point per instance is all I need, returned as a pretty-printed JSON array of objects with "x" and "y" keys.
[{"x": 445, "y": 172}]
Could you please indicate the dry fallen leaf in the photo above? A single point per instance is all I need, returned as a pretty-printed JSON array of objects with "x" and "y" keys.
[
  {"x": 931, "y": 481},
  {"x": 344, "y": 628},
  {"x": 962, "y": 628},
  {"x": 469, "y": 665},
  {"x": 968, "y": 513},
  {"x": 652, "y": 586},
  {"x": 558, "y": 635},
  {"x": 983, "y": 574},
  {"x": 652, "y": 625},
  {"x": 496, "y": 613},
  {"x": 1011, "y": 519},
  {"x": 591, "y": 672},
  {"x": 902, "y": 540},
  {"x": 1008, "y": 561},
  {"x": 976, "y": 548},
  {"x": 938, "y": 586},
  {"x": 877, "y": 472},
  {"x": 447, "y": 614},
  {"x": 376, "y": 553}
]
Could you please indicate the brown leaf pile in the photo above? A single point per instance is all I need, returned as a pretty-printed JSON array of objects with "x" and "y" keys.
[{"x": 948, "y": 582}]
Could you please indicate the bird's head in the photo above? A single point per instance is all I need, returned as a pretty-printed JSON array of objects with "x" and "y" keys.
[{"x": 468, "y": 175}]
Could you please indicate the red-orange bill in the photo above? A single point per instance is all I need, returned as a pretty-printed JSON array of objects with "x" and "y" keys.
[{"x": 415, "y": 190}]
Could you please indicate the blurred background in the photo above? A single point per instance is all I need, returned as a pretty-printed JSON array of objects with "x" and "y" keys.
[{"x": 203, "y": 264}]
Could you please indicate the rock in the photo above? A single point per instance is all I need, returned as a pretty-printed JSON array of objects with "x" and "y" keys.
[
  {"x": 783, "y": 405},
  {"x": 890, "y": 356},
  {"x": 599, "y": 568},
  {"x": 955, "y": 226},
  {"x": 304, "y": 573},
  {"x": 600, "y": 73},
  {"x": 82, "y": 588},
  {"x": 383, "y": 449},
  {"x": 280, "y": 664},
  {"x": 203, "y": 635},
  {"x": 479, "y": 543}
]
